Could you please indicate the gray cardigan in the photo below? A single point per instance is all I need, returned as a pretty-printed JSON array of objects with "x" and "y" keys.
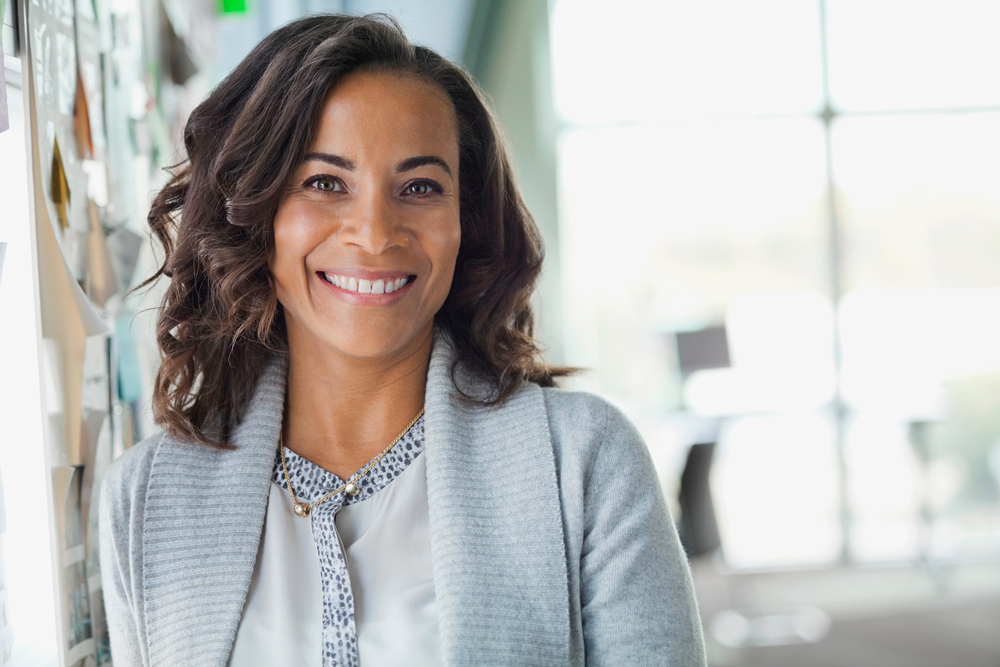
[{"x": 551, "y": 542}]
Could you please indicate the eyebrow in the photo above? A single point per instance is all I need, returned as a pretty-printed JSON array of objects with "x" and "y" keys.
[
  {"x": 406, "y": 165},
  {"x": 420, "y": 161},
  {"x": 329, "y": 158}
]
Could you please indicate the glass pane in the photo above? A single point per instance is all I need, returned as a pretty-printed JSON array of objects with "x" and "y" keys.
[
  {"x": 673, "y": 228},
  {"x": 922, "y": 373},
  {"x": 884, "y": 484},
  {"x": 901, "y": 347},
  {"x": 662, "y": 227},
  {"x": 781, "y": 349},
  {"x": 775, "y": 489},
  {"x": 643, "y": 59},
  {"x": 900, "y": 54},
  {"x": 920, "y": 200},
  {"x": 919, "y": 329}
]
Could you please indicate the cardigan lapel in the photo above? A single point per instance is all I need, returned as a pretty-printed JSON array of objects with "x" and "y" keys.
[
  {"x": 495, "y": 519},
  {"x": 496, "y": 525},
  {"x": 204, "y": 515}
]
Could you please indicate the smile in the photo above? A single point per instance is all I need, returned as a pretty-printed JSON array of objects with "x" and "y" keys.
[{"x": 362, "y": 286}]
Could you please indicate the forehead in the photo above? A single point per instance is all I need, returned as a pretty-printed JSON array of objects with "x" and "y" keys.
[{"x": 393, "y": 115}]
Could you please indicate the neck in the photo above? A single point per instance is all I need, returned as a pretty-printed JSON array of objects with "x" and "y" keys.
[{"x": 341, "y": 411}]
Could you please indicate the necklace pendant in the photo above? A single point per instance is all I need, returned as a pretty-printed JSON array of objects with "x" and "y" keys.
[
  {"x": 301, "y": 509},
  {"x": 352, "y": 489}
]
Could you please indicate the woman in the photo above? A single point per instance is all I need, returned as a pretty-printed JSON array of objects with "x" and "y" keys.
[{"x": 363, "y": 460}]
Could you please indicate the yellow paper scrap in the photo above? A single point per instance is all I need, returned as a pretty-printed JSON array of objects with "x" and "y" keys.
[{"x": 59, "y": 186}]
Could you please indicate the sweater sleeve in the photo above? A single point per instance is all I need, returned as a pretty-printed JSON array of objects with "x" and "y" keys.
[
  {"x": 120, "y": 528},
  {"x": 637, "y": 597}
]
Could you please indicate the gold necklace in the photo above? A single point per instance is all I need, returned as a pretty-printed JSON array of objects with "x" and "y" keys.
[{"x": 351, "y": 488}]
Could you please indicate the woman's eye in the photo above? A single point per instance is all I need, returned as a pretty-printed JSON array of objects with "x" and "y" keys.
[
  {"x": 419, "y": 189},
  {"x": 326, "y": 185}
]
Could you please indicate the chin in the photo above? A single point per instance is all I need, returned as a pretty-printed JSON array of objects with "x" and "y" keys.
[{"x": 373, "y": 342}]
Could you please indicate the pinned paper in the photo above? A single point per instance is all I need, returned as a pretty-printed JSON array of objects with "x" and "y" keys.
[
  {"x": 59, "y": 186},
  {"x": 100, "y": 432},
  {"x": 67, "y": 316},
  {"x": 92, "y": 46},
  {"x": 93, "y": 423},
  {"x": 66, "y": 70},
  {"x": 101, "y": 282},
  {"x": 6, "y": 644},
  {"x": 41, "y": 52},
  {"x": 81, "y": 122},
  {"x": 124, "y": 246},
  {"x": 74, "y": 249},
  {"x": 102, "y": 634},
  {"x": 62, "y": 10},
  {"x": 75, "y": 586},
  {"x": 3, "y": 510},
  {"x": 86, "y": 9},
  {"x": 97, "y": 181},
  {"x": 91, "y": 76},
  {"x": 4, "y": 113},
  {"x": 68, "y": 319},
  {"x": 129, "y": 373}
]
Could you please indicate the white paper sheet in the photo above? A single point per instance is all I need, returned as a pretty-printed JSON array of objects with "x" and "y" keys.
[
  {"x": 68, "y": 317},
  {"x": 4, "y": 112}
]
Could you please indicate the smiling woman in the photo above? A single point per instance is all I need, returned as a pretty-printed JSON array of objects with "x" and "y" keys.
[
  {"x": 364, "y": 460},
  {"x": 374, "y": 203}
]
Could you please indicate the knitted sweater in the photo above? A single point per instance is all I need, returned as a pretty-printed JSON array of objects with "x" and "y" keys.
[{"x": 551, "y": 542}]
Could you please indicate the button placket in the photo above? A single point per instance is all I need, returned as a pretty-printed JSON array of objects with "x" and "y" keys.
[{"x": 340, "y": 642}]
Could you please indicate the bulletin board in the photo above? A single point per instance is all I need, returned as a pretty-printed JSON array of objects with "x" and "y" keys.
[{"x": 100, "y": 80}]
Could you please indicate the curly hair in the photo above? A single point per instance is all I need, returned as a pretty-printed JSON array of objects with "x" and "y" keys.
[{"x": 220, "y": 319}]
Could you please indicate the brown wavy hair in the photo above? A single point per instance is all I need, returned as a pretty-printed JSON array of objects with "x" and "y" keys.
[{"x": 220, "y": 319}]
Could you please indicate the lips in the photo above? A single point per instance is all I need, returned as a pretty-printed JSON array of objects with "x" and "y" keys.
[{"x": 364, "y": 285}]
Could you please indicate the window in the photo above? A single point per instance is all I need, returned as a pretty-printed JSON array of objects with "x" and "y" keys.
[{"x": 821, "y": 179}]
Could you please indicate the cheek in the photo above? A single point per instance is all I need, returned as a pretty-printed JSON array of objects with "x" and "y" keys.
[
  {"x": 444, "y": 258},
  {"x": 291, "y": 243},
  {"x": 445, "y": 245}
]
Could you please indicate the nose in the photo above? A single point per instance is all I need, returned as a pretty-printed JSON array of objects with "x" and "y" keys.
[{"x": 372, "y": 225}]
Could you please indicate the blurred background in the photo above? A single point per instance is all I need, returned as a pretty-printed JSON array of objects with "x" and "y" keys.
[{"x": 773, "y": 239}]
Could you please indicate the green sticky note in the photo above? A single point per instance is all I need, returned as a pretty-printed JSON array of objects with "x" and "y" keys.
[{"x": 233, "y": 6}]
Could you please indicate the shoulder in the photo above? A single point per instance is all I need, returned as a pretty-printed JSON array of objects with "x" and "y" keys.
[
  {"x": 636, "y": 599},
  {"x": 123, "y": 488},
  {"x": 590, "y": 434},
  {"x": 131, "y": 469},
  {"x": 581, "y": 420},
  {"x": 579, "y": 411}
]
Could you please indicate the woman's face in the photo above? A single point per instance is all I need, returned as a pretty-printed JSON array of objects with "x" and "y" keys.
[{"x": 367, "y": 233}]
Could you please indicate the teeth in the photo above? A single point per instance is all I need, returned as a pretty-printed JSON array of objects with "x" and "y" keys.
[{"x": 362, "y": 286}]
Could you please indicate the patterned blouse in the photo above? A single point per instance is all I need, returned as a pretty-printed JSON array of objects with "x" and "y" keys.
[{"x": 311, "y": 482}]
